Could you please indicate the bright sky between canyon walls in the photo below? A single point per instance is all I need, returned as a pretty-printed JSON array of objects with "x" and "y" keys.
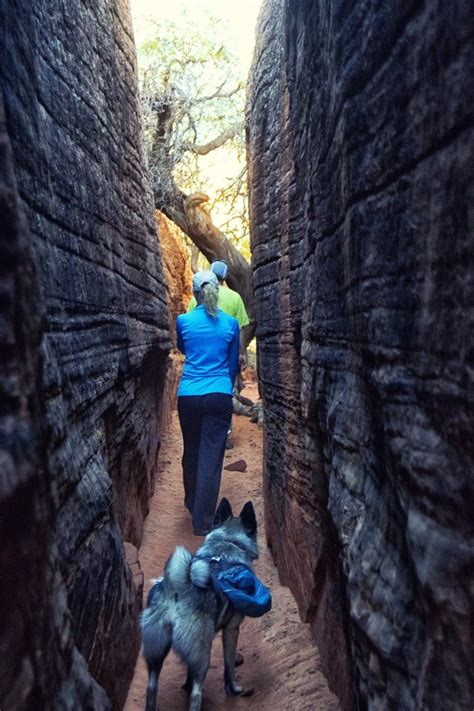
[{"x": 238, "y": 17}]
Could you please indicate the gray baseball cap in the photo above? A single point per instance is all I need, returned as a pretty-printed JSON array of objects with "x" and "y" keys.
[
  {"x": 204, "y": 277},
  {"x": 220, "y": 268}
]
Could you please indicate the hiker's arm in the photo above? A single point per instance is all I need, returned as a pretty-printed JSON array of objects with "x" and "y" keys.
[
  {"x": 179, "y": 337},
  {"x": 234, "y": 353}
]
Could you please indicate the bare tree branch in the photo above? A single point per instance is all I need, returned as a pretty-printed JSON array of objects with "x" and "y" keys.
[
  {"x": 218, "y": 94},
  {"x": 217, "y": 142}
]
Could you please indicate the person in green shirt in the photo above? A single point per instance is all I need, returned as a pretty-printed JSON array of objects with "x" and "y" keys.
[{"x": 231, "y": 303}]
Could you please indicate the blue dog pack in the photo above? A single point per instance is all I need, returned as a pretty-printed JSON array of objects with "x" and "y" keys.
[
  {"x": 239, "y": 584},
  {"x": 245, "y": 591}
]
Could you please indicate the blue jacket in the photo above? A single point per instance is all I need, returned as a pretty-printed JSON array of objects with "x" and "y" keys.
[{"x": 211, "y": 347}]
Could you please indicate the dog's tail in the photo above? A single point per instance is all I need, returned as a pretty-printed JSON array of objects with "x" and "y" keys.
[
  {"x": 200, "y": 573},
  {"x": 178, "y": 568},
  {"x": 182, "y": 568}
]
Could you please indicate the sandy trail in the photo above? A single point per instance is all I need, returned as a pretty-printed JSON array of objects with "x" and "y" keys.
[{"x": 281, "y": 663}]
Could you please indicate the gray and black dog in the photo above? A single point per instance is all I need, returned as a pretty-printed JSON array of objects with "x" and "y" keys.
[{"x": 184, "y": 612}]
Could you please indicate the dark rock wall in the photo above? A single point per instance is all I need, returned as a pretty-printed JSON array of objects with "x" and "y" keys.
[
  {"x": 69, "y": 86},
  {"x": 360, "y": 155},
  {"x": 40, "y": 666}
]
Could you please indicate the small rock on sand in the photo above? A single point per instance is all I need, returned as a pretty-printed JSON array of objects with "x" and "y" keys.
[{"x": 239, "y": 466}]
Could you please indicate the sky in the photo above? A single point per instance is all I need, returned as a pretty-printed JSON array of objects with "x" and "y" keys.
[{"x": 239, "y": 17}]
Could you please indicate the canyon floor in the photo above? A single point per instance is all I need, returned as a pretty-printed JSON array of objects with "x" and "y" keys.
[{"x": 281, "y": 664}]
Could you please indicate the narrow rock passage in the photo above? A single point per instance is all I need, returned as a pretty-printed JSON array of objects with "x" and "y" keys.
[{"x": 281, "y": 662}]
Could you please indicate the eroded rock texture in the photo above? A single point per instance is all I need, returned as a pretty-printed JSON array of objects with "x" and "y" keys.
[
  {"x": 69, "y": 85},
  {"x": 41, "y": 668},
  {"x": 360, "y": 148},
  {"x": 178, "y": 278},
  {"x": 177, "y": 270}
]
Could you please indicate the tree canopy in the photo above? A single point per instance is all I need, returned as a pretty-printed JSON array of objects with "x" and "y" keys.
[{"x": 193, "y": 98}]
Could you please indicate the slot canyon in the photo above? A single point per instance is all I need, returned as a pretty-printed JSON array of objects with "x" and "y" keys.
[{"x": 359, "y": 130}]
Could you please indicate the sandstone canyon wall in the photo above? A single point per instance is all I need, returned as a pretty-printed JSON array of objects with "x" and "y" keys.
[
  {"x": 360, "y": 155},
  {"x": 177, "y": 270},
  {"x": 178, "y": 278},
  {"x": 86, "y": 340},
  {"x": 41, "y": 667}
]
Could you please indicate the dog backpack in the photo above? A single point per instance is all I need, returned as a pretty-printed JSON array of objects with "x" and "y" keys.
[{"x": 247, "y": 594}]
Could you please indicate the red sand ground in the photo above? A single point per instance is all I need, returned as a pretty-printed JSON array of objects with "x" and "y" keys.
[{"x": 281, "y": 662}]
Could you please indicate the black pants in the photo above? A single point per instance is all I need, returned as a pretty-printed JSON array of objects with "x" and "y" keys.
[{"x": 204, "y": 421}]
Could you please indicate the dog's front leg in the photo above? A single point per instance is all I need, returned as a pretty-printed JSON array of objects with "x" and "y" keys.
[{"x": 230, "y": 637}]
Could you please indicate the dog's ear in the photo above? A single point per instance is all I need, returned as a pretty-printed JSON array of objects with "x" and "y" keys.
[
  {"x": 224, "y": 511},
  {"x": 247, "y": 516}
]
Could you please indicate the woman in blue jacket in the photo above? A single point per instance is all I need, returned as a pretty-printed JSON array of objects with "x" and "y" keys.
[{"x": 209, "y": 338}]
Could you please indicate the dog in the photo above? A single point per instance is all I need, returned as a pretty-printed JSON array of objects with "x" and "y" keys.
[{"x": 184, "y": 612}]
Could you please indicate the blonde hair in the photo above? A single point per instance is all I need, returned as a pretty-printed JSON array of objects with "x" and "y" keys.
[{"x": 208, "y": 296}]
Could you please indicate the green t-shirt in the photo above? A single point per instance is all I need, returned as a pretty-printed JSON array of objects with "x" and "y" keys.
[{"x": 230, "y": 302}]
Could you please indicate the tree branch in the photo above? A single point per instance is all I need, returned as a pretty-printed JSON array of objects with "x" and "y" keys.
[
  {"x": 219, "y": 141},
  {"x": 218, "y": 93},
  {"x": 194, "y": 219}
]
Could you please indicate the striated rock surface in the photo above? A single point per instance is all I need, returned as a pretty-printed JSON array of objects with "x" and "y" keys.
[
  {"x": 72, "y": 116},
  {"x": 40, "y": 666},
  {"x": 360, "y": 148}
]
